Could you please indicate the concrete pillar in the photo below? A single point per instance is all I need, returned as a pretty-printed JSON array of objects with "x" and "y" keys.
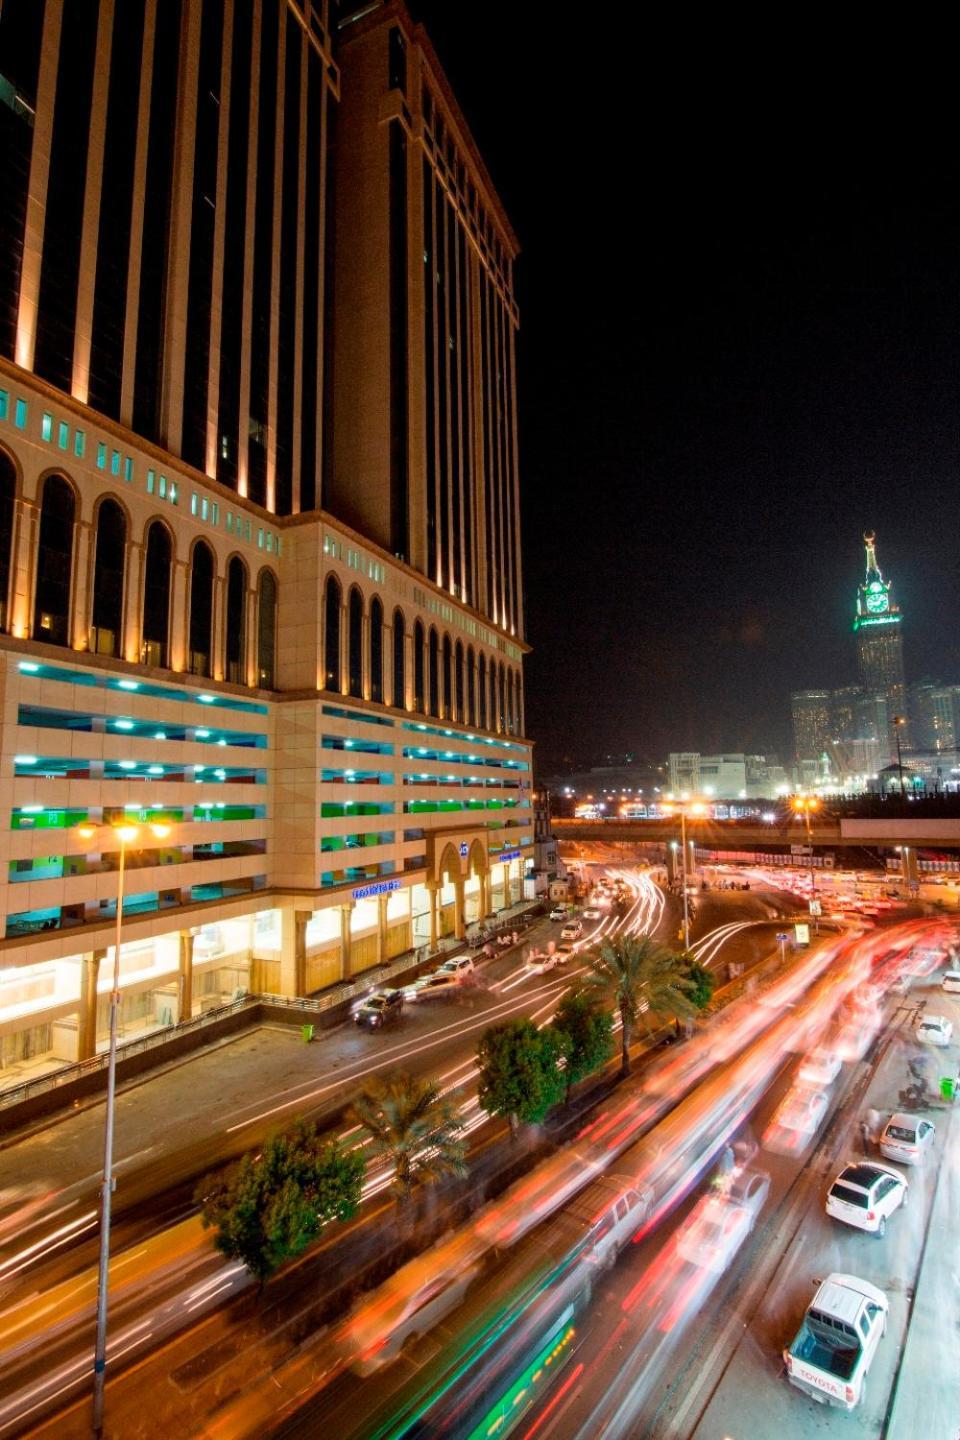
[
  {"x": 381, "y": 928},
  {"x": 87, "y": 1017},
  {"x": 484, "y": 892},
  {"x": 459, "y": 929},
  {"x": 346, "y": 968},
  {"x": 908, "y": 864},
  {"x": 132, "y": 603},
  {"x": 81, "y": 600},
  {"x": 434, "y": 892},
  {"x": 293, "y": 951},
  {"x": 179, "y": 607},
  {"x": 185, "y": 980}
]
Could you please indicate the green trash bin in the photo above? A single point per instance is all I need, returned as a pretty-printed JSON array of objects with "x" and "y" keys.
[
  {"x": 307, "y": 1032},
  {"x": 948, "y": 1087}
]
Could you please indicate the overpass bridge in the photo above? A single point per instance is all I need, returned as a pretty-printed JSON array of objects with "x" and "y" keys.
[{"x": 933, "y": 832}]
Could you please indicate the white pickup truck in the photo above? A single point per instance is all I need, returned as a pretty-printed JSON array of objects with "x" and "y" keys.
[{"x": 835, "y": 1345}]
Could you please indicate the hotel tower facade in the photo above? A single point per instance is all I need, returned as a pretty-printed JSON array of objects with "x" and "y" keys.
[{"x": 260, "y": 573}]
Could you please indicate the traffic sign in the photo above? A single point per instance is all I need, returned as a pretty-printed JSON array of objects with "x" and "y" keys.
[
  {"x": 816, "y": 908},
  {"x": 801, "y": 933}
]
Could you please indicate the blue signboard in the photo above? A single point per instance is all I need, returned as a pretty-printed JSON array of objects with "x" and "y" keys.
[
  {"x": 508, "y": 855},
  {"x": 382, "y": 887}
]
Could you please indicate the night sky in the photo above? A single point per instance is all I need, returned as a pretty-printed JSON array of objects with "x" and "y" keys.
[{"x": 738, "y": 350}]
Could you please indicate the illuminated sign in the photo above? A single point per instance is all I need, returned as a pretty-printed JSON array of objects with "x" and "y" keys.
[
  {"x": 801, "y": 933},
  {"x": 464, "y": 848},
  {"x": 382, "y": 887},
  {"x": 506, "y": 855},
  {"x": 876, "y": 620}
]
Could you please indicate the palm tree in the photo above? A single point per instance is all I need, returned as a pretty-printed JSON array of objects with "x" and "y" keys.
[
  {"x": 416, "y": 1127},
  {"x": 645, "y": 981}
]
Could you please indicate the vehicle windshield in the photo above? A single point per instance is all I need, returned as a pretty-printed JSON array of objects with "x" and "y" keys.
[
  {"x": 898, "y": 1132},
  {"x": 852, "y": 1197}
]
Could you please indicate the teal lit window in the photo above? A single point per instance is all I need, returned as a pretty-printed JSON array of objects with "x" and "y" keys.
[
  {"x": 151, "y": 481},
  {"x": 4, "y": 404},
  {"x": 46, "y": 426},
  {"x": 21, "y": 414},
  {"x": 101, "y": 456},
  {"x": 215, "y": 513},
  {"x": 194, "y": 502},
  {"x": 79, "y": 443},
  {"x": 115, "y": 463},
  {"x": 127, "y": 468},
  {"x": 63, "y": 435}
]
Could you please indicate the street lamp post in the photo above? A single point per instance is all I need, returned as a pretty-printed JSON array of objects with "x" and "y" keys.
[
  {"x": 126, "y": 834},
  {"x": 696, "y": 809},
  {"x": 804, "y": 804},
  {"x": 898, "y": 724}
]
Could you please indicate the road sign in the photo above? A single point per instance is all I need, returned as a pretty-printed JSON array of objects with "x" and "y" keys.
[
  {"x": 782, "y": 937},
  {"x": 801, "y": 933},
  {"x": 816, "y": 908}
]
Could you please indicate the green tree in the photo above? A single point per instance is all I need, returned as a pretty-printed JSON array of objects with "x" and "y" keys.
[
  {"x": 702, "y": 981},
  {"x": 520, "y": 1076},
  {"x": 645, "y": 981},
  {"x": 415, "y": 1127},
  {"x": 588, "y": 1032},
  {"x": 270, "y": 1206}
]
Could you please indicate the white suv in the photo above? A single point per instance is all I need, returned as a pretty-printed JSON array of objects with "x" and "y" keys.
[{"x": 864, "y": 1194}]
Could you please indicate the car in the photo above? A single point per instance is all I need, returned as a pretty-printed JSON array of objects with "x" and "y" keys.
[
  {"x": 797, "y": 1119},
  {"x": 460, "y": 965},
  {"x": 539, "y": 963},
  {"x": 431, "y": 987},
  {"x": 935, "y": 1030},
  {"x": 592, "y": 913},
  {"x": 950, "y": 981},
  {"x": 713, "y": 1232},
  {"x": 565, "y": 950},
  {"x": 381, "y": 1008},
  {"x": 820, "y": 1067},
  {"x": 407, "y": 1306},
  {"x": 833, "y": 1350},
  {"x": 559, "y": 912},
  {"x": 857, "y": 1035},
  {"x": 865, "y": 1194},
  {"x": 907, "y": 1138},
  {"x": 572, "y": 930},
  {"x": 749, "y": 1189}
]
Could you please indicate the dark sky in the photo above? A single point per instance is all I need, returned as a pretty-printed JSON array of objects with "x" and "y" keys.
[{"x": 738, "y": 350}]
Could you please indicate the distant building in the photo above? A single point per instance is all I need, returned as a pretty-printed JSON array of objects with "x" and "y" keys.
[
  {"x": 811, "y": 710},
  {"x": 934, "y": 714},
  {"x": 731, "y": 776},
  {"x": 878, "y": 625},
  {"x": 845, "y": 708}
]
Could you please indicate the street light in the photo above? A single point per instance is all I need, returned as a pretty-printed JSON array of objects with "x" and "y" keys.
[
  {"x": 695, "y": 809},
  {"x": 804, "y": 805},
  {"x": 126, "y": 834},
  {"x": 898, "y": 723}
]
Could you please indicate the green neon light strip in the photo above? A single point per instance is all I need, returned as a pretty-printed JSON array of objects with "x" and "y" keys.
[
  {"x": 498, "y": 1419},
  {"x": 876, "y": 620}
]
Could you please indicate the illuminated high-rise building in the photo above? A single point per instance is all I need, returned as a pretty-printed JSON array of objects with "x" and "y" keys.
[
  {"x": 259, "y": 548},
  {"x": 878, "y": 625},
  {"x": 811, "y": 713}
]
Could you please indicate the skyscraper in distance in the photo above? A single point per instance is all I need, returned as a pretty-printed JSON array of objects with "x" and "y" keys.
[{"x": 878, "y": 625}]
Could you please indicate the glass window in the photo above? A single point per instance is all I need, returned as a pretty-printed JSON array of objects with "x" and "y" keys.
[
  {"x": 20, "y": 414},
  {"x": 46, "y": 426},
  {"x": 101, "y": 455}
]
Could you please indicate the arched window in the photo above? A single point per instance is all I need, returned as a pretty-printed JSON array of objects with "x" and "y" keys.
[
  {"x": 156, "y": 597},
  {"x": 267, "y": 630},
  {"x": 201, "y": 610},
  {"x": 511, "y": 722},
  {"x": 502, "y": 701},
  {"x": 51, "y": 614},
  {"x": 236, "y": 627},
  {"x": 458, "y": 682},
  {"x": 376, "y": 651},
  {"x": 331, "y": 633},
  {"x": 447, "y": 678},
  {"x": 482, "y": 689},
  {"x": 434, "y": 673},
  {"x": 108, "y": 562},
  {"x": 419, "y": 680},
  {"x": 8, "y": 490},
  {"x": 399, "y": 661},
  {"x": 492, "y": 697},
  {"x": 471, "y": 686},
  {"x": 355, "y": 642}
]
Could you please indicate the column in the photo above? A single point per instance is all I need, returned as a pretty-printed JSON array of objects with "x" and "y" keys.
[
  {"x": 87, "y": 1016},
  {"x": 345, "y": 941},
  {"x": 185, "y": 979},
  {"x": 434, "y": 893},
  {"x": 459, "y": 929},
  {"x": 293, "y": 950},
  {"x": 382, "y": 901},
  {"x": 81, "y": 608},
  {"x": 132, "y": 610},
  {"x": 179, "y": 606},
  {"x": 908, "y": 865},
  {"x": 485, "y": 892}
]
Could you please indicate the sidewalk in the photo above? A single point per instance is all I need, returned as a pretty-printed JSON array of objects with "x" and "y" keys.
[{"x": 926, "y": 1398}]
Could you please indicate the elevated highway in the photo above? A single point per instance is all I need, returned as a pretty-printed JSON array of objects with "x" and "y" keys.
[{"x": 826, "y": 832}]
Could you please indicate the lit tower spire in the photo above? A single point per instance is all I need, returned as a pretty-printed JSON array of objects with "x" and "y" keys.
[
  {"x": 877, "y": 624},
  {"x": 870, "y": 541}
]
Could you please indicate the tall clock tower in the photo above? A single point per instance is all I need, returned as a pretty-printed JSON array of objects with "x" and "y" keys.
[{"x": 877, "y": 625}]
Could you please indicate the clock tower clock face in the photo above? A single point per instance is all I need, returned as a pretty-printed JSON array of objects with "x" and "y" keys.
[{"x": 877, "y": 601}]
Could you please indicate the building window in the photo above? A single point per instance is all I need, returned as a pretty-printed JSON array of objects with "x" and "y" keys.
[
  {"x": 79, "y": 443},
  {"x": 201, "y": 610},
  {"x": 127, "y": 468},
  {"x": 156, "y": 596},
  {"x": 63, "y": 435},
  {"x": 434, "y": 673},
  {"x": 447, "y": 699},
  {"x": 115, "y": 463},
  {"x": 355, "y": 650},
  {"x": 8, "y": 490},
  {"x": 331, "y": 636},
  {"x": 101, "y": 455},
  {"x": 399, "y": 661},
  {"x": 51, "y": 619},
  {"x": 108, "y": 579},
  {"x": 267, "y": 630},
  {"x": 21, "y": 414},
  {"x": 46, "y": 426},
  {"x": 236, "y": 620},
  {"x": 376, "y": 652},
  {"x": 419, "y": 686}
]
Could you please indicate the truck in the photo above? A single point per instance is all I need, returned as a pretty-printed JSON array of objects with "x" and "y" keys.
[{"x": 834, "y": 1348}]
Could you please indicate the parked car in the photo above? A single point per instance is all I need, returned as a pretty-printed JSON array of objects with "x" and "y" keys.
[
  {"x": 592, "y": 913},
  {"x": 572, "y": 930},
  {"x": 907, "y": 1138},
  {"x": 834, "y": 1348},
  {"x": 951, "y": 981},
  {"x": 431, "y": 987},
  {"x": 865, "y": 1194},
  {"x": 564, "y": 951},
  {"x": 459, "y": 965},
  {"x": 559, "y": 912},
  {"x": 935, "y": 1030}
]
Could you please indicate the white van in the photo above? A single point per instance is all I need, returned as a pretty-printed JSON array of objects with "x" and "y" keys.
[{"x": 951, "y": 981}]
